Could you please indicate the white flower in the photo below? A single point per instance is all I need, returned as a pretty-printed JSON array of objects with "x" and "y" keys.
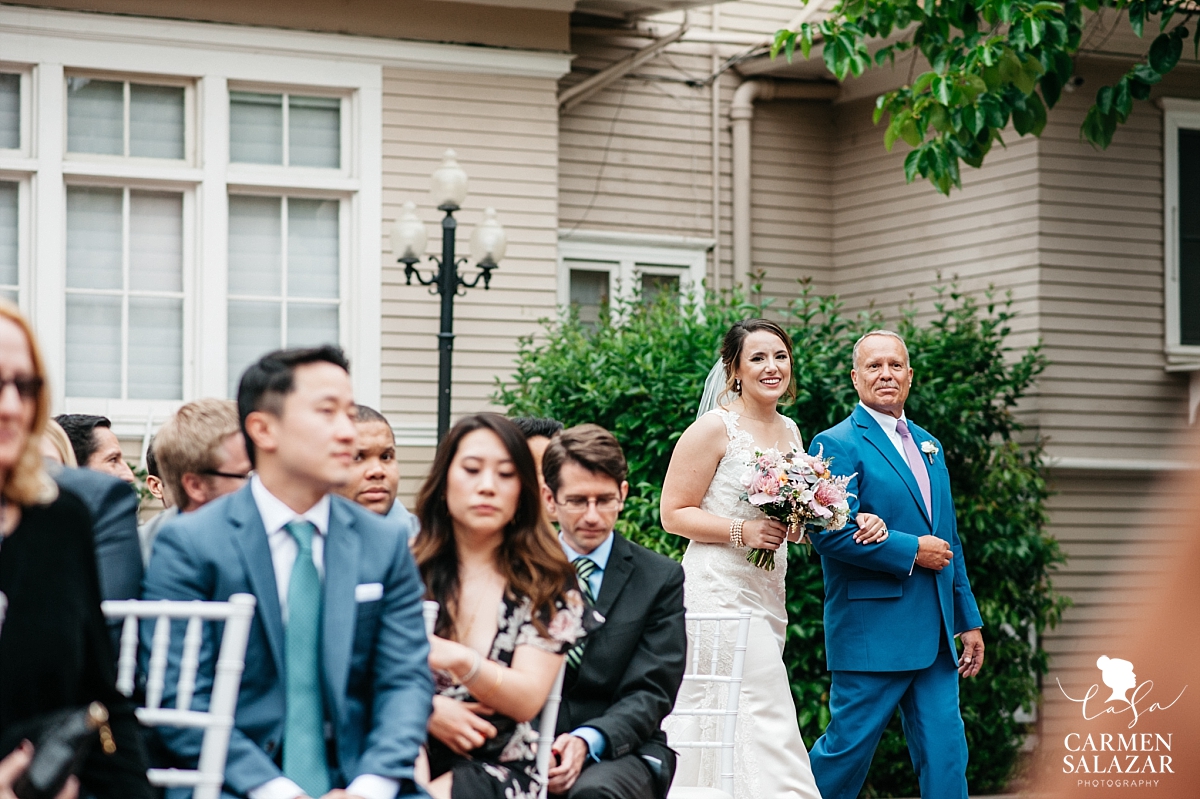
[{"x": 930, "y": 449}]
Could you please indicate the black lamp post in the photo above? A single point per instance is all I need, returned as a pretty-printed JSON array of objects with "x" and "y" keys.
[{"x": 487, "y": 249}]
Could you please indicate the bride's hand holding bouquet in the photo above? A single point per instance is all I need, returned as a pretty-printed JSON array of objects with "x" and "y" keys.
[{"x": 766, "y": 534}]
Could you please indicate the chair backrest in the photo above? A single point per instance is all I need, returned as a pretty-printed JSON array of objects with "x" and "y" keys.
[
  {"x": 217, "y": 721},
  {"x": 706, "y": 634},
  {"x": 548, "y": 725}
]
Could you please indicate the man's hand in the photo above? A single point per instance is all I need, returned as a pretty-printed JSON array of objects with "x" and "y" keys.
[
  {"x": 933, "y": 552},
  {"x": 14, "y": 765},
  {"x": 572, "y": 752},
  {"x": 972, "y": 657},
  {"x": 459, "y": 725}
]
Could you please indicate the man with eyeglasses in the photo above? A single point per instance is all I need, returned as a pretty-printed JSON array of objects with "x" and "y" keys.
[
  {"x": 201, "y": 456},
  {"x": 622, "y": 681}
]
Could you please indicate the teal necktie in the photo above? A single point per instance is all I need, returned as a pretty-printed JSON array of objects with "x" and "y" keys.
[
  {"x": 304, "y": 735},
  {"x": 584, "y": 569}
]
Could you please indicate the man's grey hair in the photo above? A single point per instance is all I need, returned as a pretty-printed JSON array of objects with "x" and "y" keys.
[{"x": 880, "y": 332}]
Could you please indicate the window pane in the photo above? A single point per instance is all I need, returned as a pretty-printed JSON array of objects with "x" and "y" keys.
[
  {"x": 314, "y": 131},
  {"x": 653, "y": 285},
  {"x": 155, "y": 241},
  {"x": 10, "y": 111},
  {"x": 255, "y": 128},
  {"x": 156, "y": 121},
  {"x": 1189, "y": 237},
  {"x": 93, "y": 239},
  {"x": 93, "y": 346},
  {"x": 310, "y": 325},
  {"x": 95, "y": 116},
  {"x": 253, "y": 331},
  {"x": 155, "y": 348},
  {"x": 8, "y": 234},
  {"x": 255, "y": 248},
  {"x": 589, "y": 290},
  {"x": 313, "y": 248}
]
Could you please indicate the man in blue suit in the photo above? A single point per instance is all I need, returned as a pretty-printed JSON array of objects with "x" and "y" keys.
[
  {"x": 894, "y": 608},
  {"x": 336, "y": 691}
]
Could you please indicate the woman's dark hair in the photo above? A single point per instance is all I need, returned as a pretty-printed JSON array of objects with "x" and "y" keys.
[
  {"x": 529, "y": 557},
  {"x": 731, "y": 351}
]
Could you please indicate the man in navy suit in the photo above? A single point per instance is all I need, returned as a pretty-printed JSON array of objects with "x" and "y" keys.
[
  {"x": 336, "y": 690},
  {"x": 894, "y": 608}
]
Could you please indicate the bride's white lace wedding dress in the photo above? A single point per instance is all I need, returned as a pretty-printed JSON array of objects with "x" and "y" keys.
[{"x": 770, "y": 761}]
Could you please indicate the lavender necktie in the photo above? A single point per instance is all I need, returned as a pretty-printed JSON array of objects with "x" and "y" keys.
[{"x": 916, "y": 463}]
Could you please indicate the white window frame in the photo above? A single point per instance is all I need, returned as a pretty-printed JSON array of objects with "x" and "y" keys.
[
  {"x": 55, "y": 44},
  {"x": 1177, "y": 114},
  {"x": 628, "y": 256},
  {"x": 16, "y": 166}
]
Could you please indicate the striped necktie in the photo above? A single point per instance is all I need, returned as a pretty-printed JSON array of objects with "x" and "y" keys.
[
  {"x": 304, "y": 760},
  {"x": 584, "y": 569}
]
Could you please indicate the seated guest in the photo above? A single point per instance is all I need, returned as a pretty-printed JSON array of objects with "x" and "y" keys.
[
  {"x": 154, "y": 484},
  {"x": 336, "y": 688},
  {"x": 95, "y": 444},
  {"x": 202, "y": 455},
  {"x": 376, "y": 476},
  {"x": 622, "y": 682},
  {"x": 54, "y": 652},
  {"x": 484, "y": 547},
  {"x": 538, "y": 433},
  {"x": 56, "y": 447}
]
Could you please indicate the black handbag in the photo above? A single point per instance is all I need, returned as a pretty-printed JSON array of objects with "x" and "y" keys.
[{"x": 62, "y": 742}]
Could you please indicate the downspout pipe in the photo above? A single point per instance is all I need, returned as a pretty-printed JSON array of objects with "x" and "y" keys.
[{"x": 741, "y": 114}]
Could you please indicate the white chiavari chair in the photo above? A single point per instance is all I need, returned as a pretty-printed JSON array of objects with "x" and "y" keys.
[
  {"x": 549, "y": 723},
  {"x": 706, "y": 633},
  {"x": 217, "y": 720}
]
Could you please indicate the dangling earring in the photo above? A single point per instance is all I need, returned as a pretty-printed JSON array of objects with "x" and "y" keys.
[{"x": 737, "y": 385}]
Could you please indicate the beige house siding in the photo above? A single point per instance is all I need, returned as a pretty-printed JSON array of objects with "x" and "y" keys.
[{"x": 505, "y": 131}]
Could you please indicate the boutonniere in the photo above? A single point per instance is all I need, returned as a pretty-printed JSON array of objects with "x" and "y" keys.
[{"x": 930, "y": 449}]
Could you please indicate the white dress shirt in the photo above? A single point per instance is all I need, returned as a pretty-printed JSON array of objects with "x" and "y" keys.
[
  {"x": 888, "y": 423},
  {"x": 275, "y": 516}
]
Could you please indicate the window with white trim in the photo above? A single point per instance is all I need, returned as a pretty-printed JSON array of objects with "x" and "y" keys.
[
  {"x": 1181, "y": 150},
  {"x": 168, "y": 227},
  {"x": 596, "y": 267}
]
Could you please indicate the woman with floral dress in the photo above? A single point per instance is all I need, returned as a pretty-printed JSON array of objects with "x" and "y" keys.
[{"x": 510, "y": 609}]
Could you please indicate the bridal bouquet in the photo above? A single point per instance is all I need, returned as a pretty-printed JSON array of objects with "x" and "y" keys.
[{"x": 797, "y": 489}]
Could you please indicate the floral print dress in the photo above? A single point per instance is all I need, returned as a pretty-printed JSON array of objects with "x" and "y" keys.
[{"x": 506, "y": 766}]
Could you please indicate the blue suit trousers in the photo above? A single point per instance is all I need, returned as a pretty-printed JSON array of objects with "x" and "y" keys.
[{"x": 862, "y": 703}]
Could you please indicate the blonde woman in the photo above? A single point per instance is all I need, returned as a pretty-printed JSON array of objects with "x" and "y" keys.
[
  {"x": 54, "y": 649},
  {"x": 56, "y": 446}
]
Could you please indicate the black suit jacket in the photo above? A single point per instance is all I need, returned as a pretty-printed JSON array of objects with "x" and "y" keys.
[{"x": 632, "y": 666}]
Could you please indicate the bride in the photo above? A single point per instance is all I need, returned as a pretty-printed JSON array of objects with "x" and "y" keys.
[{"x": 701, "y": 501}]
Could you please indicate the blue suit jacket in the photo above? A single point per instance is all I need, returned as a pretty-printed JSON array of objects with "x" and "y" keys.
[
  {"x": 377, "y": 685},
  {"x": 878, "y": 616}
]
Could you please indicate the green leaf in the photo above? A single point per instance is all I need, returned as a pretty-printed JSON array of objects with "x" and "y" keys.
[
  {"x": 1098, "y": 128},
  {"x": 1122, "y": 100},
  {"x": 910, "y": 166},
  {"x": 1033, "y": 29},
  {"x": 923, "y": 81},
  {"x": 1051, "y": 88},
  {"x": 1137, "y": 20},
  {"x": 892, "y": 133},
  {"x": 1165, "y": 52},
  {"x": 910, "y": 133},
  {"x": 781, "y": 37},
  {"x": 943, "y": 90},
  {"x": 939, "y": 118},
  {"x": 1104, "y": 99}
]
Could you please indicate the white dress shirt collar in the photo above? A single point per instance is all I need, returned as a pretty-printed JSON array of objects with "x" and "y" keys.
[
  {"x": 888, "y": 423},
  {"x": 275, "y": 513}
]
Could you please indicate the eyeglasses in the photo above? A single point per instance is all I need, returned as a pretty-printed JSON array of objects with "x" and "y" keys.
[
  {"x": 230, "y": 475},
  {"x": 28, "y": 386},
  {"x": 581, "y": 504}
]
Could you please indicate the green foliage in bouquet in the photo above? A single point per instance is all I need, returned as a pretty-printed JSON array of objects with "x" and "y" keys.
[{"x": 640, "y": 372}]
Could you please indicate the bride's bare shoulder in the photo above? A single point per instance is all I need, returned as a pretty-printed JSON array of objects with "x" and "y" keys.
[{"x": 706, "y": 434}]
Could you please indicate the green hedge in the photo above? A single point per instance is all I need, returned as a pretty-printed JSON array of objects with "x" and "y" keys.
[{"x": 640, "y": 373}]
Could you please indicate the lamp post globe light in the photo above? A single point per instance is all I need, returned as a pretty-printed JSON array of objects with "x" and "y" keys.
[{"x": 488, "y": 243}]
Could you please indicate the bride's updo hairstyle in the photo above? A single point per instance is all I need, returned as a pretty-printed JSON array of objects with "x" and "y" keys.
[{"x": 731, "y": 352}]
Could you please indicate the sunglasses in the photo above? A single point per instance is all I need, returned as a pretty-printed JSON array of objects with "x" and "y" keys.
[{"x": 28, "y": 387}]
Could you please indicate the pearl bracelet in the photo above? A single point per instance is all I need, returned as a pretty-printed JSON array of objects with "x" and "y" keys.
[{"x": 735, "y": 533}]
